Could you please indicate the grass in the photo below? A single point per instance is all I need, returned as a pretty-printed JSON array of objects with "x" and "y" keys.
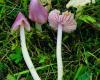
[{"x": 80, "y": 49}]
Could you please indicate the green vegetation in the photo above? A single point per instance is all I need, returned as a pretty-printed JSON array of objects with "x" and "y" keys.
[{"x": 80, "y": 49}]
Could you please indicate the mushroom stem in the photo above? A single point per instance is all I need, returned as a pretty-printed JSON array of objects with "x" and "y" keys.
[
  {"x": 38, "y": 27},
  {"x": 58, "y": 53},
  {"x": 26, "y": 55}
]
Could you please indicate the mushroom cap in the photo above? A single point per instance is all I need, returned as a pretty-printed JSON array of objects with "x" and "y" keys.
[
  {"x": 20, "y": 21},
  {"x": 66, "y": 20},
  {"x": 37, "y": 12}
]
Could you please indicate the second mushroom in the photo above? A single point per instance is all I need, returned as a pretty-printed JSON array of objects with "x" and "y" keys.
[{"x": 66, "y": 23}]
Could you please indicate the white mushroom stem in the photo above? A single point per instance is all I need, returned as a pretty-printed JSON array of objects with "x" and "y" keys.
[
  {"x": 59, "y": 54},
  {"x": 26, "y": 55},
  {"x": 38, "y": 27}
]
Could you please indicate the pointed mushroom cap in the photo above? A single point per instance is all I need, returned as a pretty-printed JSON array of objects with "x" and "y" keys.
[
  {"x": 66, "y": 20},
  {"x": 20, "y": 21},
  {"x": 37, "y": 12}
]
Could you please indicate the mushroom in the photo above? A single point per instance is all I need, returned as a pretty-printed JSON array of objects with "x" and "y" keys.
[
  {"x": 66, "y": 23},
  {"x": 21, "y": 22},
  {"x": 37, "y": 13}
]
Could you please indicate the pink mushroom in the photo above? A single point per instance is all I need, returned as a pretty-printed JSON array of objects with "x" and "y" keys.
[
  {"x": 21, "y": 22},
  {"x": 66, "y": 23},
  {"x": 37, "y": 13}
]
